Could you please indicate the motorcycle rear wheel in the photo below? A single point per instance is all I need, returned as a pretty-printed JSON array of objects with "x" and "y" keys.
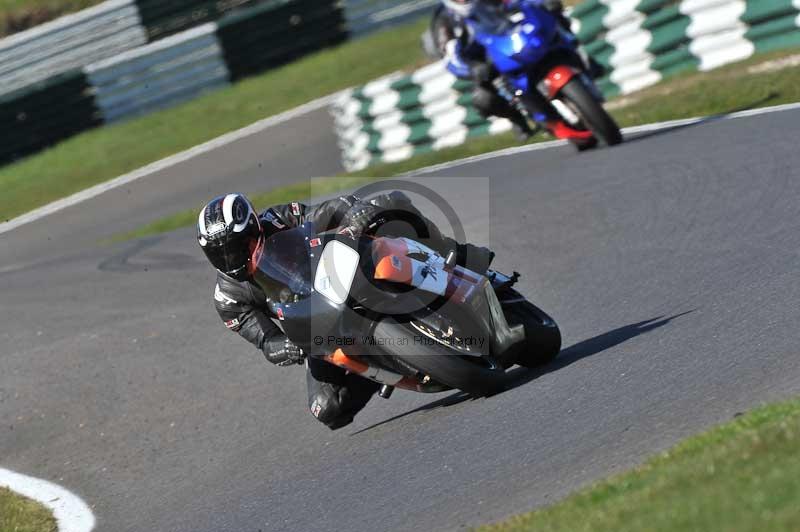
[{"x": 476, "y": 376}]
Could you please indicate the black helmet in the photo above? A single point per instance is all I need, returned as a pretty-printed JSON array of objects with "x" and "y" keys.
[{"x": 229, "y": 232}]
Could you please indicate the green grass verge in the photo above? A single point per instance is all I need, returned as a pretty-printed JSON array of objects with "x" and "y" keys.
[
  {"x": 741, "y": 476},
  {"x": 18, "y": 514},
  {"x": 20, "y": 15},
  {"x": 101, "y": 154}
]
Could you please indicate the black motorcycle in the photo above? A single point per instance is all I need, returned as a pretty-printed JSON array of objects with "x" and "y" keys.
[{"x": 395, "y": 311}]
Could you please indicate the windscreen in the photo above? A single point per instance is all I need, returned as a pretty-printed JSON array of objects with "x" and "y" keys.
[
  {"x": 284, "y": 269},
  {"x": 492, "y": 19}
]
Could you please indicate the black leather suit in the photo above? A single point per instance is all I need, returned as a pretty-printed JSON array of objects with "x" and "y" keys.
[{"x": 334, "y": 396}]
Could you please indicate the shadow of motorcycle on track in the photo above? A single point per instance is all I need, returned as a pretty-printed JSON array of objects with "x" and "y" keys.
[{"x": 521, "y": 376}]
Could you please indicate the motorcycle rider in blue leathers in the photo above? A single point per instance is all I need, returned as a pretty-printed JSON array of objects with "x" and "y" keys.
[{"x": 466, "y": 59}]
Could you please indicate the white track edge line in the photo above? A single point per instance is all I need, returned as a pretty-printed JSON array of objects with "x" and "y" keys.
[
  {"x": 163, "y": 164},
  {"x": 69, "y": 510},
  {"x": 628, "y": 130}
]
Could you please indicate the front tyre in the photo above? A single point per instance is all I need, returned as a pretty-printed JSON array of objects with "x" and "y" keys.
[
  {"x": 447, "y": 365},
  {"x": 542, "y": 335},
  {"x": 591, "y": 112}
]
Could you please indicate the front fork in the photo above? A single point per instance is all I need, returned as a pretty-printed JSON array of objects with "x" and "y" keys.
[
  {"x": 542, "y": 107},
  {"x": 533, "y": 107}
]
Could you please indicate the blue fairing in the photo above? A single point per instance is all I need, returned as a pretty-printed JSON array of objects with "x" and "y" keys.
[{"x": 512, "y": 44}]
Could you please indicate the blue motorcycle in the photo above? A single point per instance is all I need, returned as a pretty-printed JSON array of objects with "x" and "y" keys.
[{"x": 538, "y": 67}]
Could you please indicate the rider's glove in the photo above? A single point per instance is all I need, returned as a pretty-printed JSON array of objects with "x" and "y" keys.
[
  {"x": 359, "y": 220},
  {"x": 360, "y": 217},
  {"x": 288, "y": 355},
  {"x": 351, "y": 231}
]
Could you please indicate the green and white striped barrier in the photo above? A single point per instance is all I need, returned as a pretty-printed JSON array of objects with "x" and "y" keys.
[
  {"x": 639, "y": 41},
  {"x": 401, "y": 116},
  {"x": 642, "y": 41}
]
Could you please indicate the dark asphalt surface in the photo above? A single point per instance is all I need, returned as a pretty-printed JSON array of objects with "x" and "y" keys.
[{"x": 671, "y": 264}]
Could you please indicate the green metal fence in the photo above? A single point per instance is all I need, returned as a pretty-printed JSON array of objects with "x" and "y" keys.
[
  {"x": 245, "y": 41},
  {"x": 39, "y": 115},
  {"x": 263, "y": 37}
]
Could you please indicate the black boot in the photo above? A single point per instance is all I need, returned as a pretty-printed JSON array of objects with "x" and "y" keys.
[
  {"x": 522, "y": 131},
  {"x": 340, "y": 422}
]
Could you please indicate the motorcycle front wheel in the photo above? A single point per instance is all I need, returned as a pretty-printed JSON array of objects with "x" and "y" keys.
[
  {"x": 542, "y": 336},
  {"x": 591, "y": 112},
  {"x": 477, "y": 376}
]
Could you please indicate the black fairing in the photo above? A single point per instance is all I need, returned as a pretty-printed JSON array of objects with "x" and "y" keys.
[{"x": 285, "y": 273}]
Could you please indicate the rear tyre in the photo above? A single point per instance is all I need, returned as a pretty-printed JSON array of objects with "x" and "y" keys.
[
  {"x": 447, "y": 365},
  {"x": 542, "y": 335},
  {"x": 592, "y": 114}
]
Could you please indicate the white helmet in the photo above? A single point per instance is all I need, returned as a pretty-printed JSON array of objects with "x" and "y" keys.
[{"x": 462, "y": 8}]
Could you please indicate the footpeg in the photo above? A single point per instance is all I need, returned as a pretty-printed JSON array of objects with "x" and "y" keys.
[
  {"x": 501, "y": 281},
  {"x": 386, "y": 391}
]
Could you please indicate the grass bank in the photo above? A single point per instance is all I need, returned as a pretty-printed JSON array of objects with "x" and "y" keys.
[
  {"x": 726, "y": 90},
  {"x": 741, "y": 476},
  {"x": 18, "y": 514},
  {"x": 102, "y": 154},
  {"x": 20, "y": 15}
]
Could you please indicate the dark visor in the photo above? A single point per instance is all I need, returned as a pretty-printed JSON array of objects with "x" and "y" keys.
[{"x": 228, "y": 259}]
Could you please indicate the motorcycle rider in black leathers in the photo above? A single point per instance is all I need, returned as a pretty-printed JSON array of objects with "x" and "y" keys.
[{"x": 230, "y": 233}]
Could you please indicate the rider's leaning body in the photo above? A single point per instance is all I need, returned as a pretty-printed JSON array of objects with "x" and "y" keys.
[{"x": 232, "y": 235}]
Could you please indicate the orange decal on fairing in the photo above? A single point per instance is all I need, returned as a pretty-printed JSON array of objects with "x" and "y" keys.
[
  {"x": 338, "y": 358},
  {"x": 394, "y": 268},
  {"x": 391, "y": 262},
  {"x": 383, "y": 247}
]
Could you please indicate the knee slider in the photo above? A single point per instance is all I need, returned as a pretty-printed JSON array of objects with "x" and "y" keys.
[{"x": 326, "y": 405}]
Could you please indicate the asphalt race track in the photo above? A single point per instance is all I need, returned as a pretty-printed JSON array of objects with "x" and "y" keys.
[{"x": 671, "y": 264}]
